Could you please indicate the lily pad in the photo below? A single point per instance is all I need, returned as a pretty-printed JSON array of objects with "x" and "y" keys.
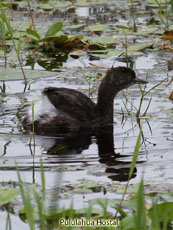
[
  {"x": 81, "y": 3},
  {"x": 82, "y": 191},
  {"x": 138, "y": 47},
  {"x": 114, "y": 53},
  {"x": 63, "y": 4},
  {"x": 45, "y": 6},
  {"x": 71, "y": 27},
  {"x": 85, "y": 187},
  {"x": 102, "y": 40},
  {"x": 16, "y": 74},
  {"x": 96, "y": 28},
  {"x": 147, "y": 31}
]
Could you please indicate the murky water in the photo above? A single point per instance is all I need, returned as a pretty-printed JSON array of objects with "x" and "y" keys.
[{"x": 103, "y": 159}]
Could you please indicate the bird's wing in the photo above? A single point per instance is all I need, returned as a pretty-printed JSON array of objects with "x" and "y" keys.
[{"x": 71, "y": 102}]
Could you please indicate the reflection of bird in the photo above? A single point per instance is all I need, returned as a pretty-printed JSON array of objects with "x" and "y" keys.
[{"x": 67, "y": 109}]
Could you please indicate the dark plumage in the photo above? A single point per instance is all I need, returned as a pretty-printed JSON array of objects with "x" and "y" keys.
[{"x": 72, "y": 110}]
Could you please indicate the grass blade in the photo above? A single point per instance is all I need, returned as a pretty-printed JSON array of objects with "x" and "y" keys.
[
  {"x": 135, "y": 155},
  {"x": 42, "y": 179},
  {"x": 18, "y": 46},
  {"x": 26, "y": 201},
  {"x": 40, "y": 209},
  {"x": 141, "y": 222}
]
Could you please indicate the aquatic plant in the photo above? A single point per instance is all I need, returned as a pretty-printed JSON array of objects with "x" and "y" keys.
[
  {"x": 17, "y": 48},
  {"x": 54, "y": 38},
  {"x": 165, "y": 12},
  {"x": 36, "y": 212},
  {"x": 133, "y": 15}
]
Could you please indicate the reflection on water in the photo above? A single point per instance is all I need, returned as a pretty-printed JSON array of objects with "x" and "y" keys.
[
  {"x": 63, "y": 150},
  {"x": 106, "y": 153}
]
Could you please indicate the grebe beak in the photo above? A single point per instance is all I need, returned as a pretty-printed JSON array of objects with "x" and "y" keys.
[{"x": 139, "y": 81}]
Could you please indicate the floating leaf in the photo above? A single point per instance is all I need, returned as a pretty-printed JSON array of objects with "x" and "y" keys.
[
  {"x": 102, "y": 40},
  {"x": 54, "y": 29},
  {"x": 115, "y": 53},
  {"x": 146, "y": 31},
  {"x": 74, "y": 26},
  {"x": 45, "y": 6},
  {"x": 82, "y": 3},
  {"x": 134, "y": 53},
  {"x": 16, "y": 74},
  {"x": 124, "y": 31},
  {"x": 96, "y": 28},
  {"x": 61, "y": 4},
  {"x": 138, "y": 47},
  {"x": 82, "y": 191}
]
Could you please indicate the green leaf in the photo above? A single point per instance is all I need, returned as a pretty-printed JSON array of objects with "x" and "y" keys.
[
  {"x": 115, "y": 53},
  {"x": 8, "y": 195},
  {"x": 171, "y": 4},
  {"x": 59, "y": 40},
  {"x": 18, "y": 46},
  {"x": 164, "y": 211},
  {"x": 54, "y": 29},
  {"x": 128, "y": 223},
  {"x": 134, "y": 53},
  {"x": 135, "y": 155},
  {"x": 16, "y": 74},
  {"x": 45, "y": 6},
  {"x": 96, "y": 28},
  {"x": 138, "y": 47},
  {"x": 5, "y": 19},
  {"x": 74, "y": 26},
  {"x": 102, "y": 40},
  {"x": 33, "y": 34},
  {"x": 71, "y": 38},
  {"x": 43, "y": 183},
  {"x": 26, "y": 198},
  {"x": 2, "y": 30},
  {"x": 60, "y": 4},
  {"x": 141, "y": 222},
  {"x": 82, "y": 3}
]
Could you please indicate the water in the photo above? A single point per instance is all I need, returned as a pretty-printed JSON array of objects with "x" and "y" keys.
[{"x": 104, "y": 160}]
